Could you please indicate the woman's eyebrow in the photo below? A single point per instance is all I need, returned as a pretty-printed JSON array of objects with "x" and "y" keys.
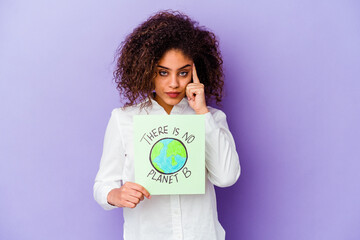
[{"x": 187, "y": 65}]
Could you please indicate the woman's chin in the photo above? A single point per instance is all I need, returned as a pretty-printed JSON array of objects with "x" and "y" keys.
[{"x": 173, "y": 101}]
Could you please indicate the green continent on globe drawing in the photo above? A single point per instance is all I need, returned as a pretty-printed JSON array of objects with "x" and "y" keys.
[{"x": 176, "y": 148}]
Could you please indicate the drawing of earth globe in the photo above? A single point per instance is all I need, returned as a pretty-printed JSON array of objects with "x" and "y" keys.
[{"x": 168, "y": 155}]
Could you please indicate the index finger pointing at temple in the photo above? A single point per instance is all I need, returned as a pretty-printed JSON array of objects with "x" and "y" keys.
[{"x": 194, "y": 75}]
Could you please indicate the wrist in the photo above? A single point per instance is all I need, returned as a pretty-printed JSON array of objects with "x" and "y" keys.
[
  {"x": 202, "y": 111},
  {"x": 110, "y": 197}
]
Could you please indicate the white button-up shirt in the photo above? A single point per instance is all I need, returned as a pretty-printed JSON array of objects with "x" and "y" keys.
[{"x": 169, "y": 217}]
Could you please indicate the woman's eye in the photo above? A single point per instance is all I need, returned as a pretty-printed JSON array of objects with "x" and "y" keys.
[
  {"x": 183, "y": 74},
  {"x": 162, "y": 73}
]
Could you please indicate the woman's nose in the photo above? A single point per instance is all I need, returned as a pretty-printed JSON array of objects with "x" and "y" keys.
[{"x": 174, "y": 81}]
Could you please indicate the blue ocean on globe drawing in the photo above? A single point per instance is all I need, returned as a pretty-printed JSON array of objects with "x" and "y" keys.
[{"x": 165, "y": 163}]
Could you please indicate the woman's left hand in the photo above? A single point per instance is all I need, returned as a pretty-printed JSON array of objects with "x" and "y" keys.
[{"x": 196, "y": 94}]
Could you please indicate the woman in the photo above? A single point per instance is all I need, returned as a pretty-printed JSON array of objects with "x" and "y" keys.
[{"x": 168, "y": 65}]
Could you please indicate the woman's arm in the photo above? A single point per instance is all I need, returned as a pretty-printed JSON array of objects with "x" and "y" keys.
[
  {"x": 108, "y": 190},
  {"x": 111, "y": 165},
  {"x": 221, "y": 158}
]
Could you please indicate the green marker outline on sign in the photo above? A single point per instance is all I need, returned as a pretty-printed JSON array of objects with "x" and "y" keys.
[{"x": 156, "y": 167}]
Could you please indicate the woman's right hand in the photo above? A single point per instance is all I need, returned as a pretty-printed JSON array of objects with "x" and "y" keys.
[{"x": 128, "y": 195}]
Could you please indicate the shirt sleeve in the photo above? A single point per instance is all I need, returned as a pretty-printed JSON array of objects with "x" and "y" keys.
[
  {"x": 221, "y": 158},
  {"x": 111, "y": 165}
]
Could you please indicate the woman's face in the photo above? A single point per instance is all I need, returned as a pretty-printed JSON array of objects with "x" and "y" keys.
[{"x": 173, "y": 75}]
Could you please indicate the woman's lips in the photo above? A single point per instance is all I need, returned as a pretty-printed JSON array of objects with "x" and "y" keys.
[{"x": 173, "y": 94}]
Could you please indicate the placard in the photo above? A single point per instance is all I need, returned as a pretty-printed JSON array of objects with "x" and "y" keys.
[{"x": 169, "y": 153}]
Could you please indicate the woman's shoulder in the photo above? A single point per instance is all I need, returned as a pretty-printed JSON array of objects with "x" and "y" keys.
[
  {"x": 125, "y": 114},
  {"x": 128, "y": 110},
  {"x": 216, "y": 112},
  {"x": 125, "y": 111}
]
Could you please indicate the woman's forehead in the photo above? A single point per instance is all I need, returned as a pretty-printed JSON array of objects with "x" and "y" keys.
[{"x": 174, "y": 59}]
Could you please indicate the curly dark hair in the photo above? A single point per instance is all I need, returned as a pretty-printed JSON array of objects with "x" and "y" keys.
[{"x": 139, "y": 54}]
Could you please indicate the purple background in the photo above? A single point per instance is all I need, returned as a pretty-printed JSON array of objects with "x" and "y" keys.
[{"x": 292, "y": 101}]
